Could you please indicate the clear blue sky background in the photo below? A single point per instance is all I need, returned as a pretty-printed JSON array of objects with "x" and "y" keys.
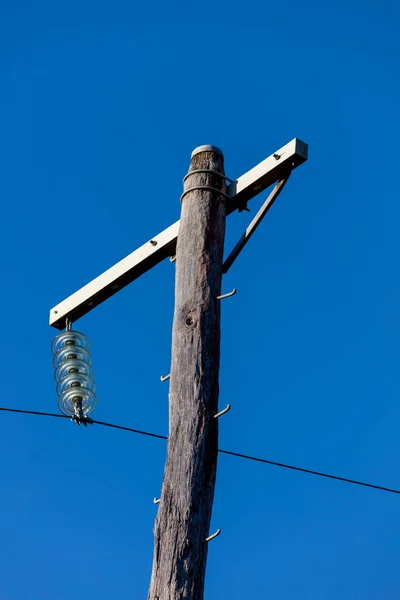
[{"x": 101, "y": 105}]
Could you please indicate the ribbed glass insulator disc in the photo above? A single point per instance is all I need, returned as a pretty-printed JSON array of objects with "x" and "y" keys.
[
  {"x": 72, "y": 365},
  {"x": 71, "y": 353},
  {"x": 69, "y": 338},
  {"x": 68, "y": 399},
  {"x": 76, "y": 381}
]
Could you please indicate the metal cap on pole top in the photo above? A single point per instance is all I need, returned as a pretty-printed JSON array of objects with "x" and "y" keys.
[{"x": 206, "y": 148}]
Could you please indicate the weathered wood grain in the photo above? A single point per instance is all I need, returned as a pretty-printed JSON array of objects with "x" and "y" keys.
[{"x": 183, "y": 520}]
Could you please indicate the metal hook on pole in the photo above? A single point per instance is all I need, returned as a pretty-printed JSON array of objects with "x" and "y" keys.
[
  {"x": 213, "y": 536},
  {"x": 172, "y": 258},
  {"x": 223, "y": 412},
  {"x": 232, "y": 293},
  {"x": 157, "y": 500},
  {"x": 165, "y": 377}
]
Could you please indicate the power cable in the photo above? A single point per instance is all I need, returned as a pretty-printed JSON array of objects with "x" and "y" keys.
[{"x": 235, "y": 454}]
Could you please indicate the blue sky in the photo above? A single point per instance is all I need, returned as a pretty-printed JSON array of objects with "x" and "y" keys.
[{"x": 101, "y": 105}]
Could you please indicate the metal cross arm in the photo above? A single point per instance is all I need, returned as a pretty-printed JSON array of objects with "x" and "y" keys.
[
  {"x": 271, "y": 170},
  {"x": 117, "y": 277},
  {"x": 276, "y": 167}
]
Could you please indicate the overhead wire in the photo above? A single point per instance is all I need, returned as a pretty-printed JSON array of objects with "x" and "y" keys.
[
  {"x": 310, "y": 472},
  {"x": 46, "y": 414},
  {"x": 228, "y": 452}
]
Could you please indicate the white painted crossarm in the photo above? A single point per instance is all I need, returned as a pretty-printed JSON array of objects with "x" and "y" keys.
[
  {"x": 266, "y": 173},
  {"x": 269, "y": 171},
  {"x": 117, "y": 277}
]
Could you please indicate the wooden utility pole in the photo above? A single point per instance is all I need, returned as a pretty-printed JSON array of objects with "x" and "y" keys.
[{"x": 183, "y": 520}]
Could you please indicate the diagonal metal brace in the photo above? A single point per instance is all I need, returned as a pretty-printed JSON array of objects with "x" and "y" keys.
[{"x": 254, "y": 224}]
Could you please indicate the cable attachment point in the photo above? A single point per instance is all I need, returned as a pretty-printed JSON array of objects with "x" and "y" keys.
[
  {"x": 213, "y": 536},
  {"x": 223, "y": 412},
  {"x": 85, "y": 421},
  {"x": 68, "y": 324},
  {"x": 79, "y": 417},
  {"x": 157, "y": 500},
  {"x": 172, "y": 258},
  {"x": 165, "y": 377},
  {"x": 232, "y": 293}
]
